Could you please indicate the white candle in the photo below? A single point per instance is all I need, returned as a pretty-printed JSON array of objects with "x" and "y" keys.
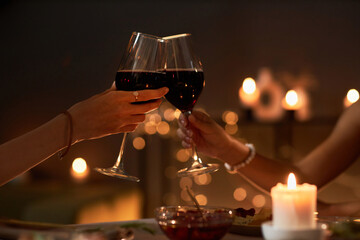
[{"x": 294, "y": 205}]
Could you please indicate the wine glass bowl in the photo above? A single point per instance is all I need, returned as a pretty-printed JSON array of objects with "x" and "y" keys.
[{"x": 184, "y": 77}]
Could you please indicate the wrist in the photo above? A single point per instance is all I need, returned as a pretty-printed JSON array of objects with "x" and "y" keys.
[{"x": 251, "y": 154}]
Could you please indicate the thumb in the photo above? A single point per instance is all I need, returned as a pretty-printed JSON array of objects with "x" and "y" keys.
[{"x": 201, "y": 121}]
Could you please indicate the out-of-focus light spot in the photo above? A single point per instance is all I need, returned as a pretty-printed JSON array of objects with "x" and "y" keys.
[
  {"x": 202, "y": 199},
  {"x": 240, "y": 194},
  {"x": 79, "y": 165},
  {"x": 139, "y": 143},
  {"x": 150, "y": 128},
  {"x": 169, "y": 114},
  {"x": 249, "y": 85},
  {"x": 357, "y": 220},
  {"x": 291, "y": 98},
  {"x": 170, "y": 172},
  {"x": 352, "y": 96},
  {"x": 259, "y": 201},
  {"x": 183, "y": 155},
  {"x": 185, "y": 196},
  {"x": 170, "y": 199},
  {"x": 203, "y": 179},
  {"x": 177, "y": 113},
  {"x": 163, "y": 128},
  {"x": 185, "y": 182},
  {"x": 231, "y": 129},
  {"x": 231, "y": 118},
  {"x": 79, "y": 169},
  {"x": 155, "y": 118},
  {"x": 223, "y": 116}
]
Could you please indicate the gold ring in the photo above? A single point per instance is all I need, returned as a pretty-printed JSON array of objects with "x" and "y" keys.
[{"x": 136, "y": 95}]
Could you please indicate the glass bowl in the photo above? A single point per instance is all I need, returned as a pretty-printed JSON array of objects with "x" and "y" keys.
[{"x": 187, "y": 222}]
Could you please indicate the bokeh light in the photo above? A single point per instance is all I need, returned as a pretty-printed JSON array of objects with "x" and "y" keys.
[
  {"x": 169, "y": 114},
  {"x": 230, "y": 117},
  {"x": 79, "y": 165},
  {"x": 183, "y": 155},
  {"x": 150, "y": 128},
  {"x": 352, "y": 95},
  {"x": 185, "y": 195},
  {"x": 163, "y": 128},
  {"x": 259, "y": 201},
  {"x": 177, "y": 113},
  {"x": 240, "y": 194},
  {"x": 202, "y": 199},
  {"x": 203, "y": 179},
  {"x": 231, "y": 129},
  {"x": 139, "y": 143},
  {"x": 291, "y": 98},
  {"x": 185, "y": 182},
  {"x": 249, "y": 85}
]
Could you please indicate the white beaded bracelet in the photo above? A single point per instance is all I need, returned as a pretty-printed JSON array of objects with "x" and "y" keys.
[{"x": 242, "y": 164}]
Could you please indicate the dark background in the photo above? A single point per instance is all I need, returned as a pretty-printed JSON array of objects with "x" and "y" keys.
[{"x": 56, "y": 53}]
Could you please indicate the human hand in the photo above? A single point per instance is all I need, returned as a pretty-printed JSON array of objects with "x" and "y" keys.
[
  {"x": 208, "y": 136},
  {"x": 112, "y": 112}
]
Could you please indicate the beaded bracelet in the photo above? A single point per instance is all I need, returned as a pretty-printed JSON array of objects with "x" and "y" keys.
[
  {"x": 70, "y": 133},
  {"x": 242, "y": 164}
]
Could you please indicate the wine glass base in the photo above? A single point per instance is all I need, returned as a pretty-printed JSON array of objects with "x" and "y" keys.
[
  {"x": 114, "y": 172},
  {"x": 198, "y": 169}
]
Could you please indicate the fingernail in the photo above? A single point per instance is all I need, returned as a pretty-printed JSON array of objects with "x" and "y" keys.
[{"x": 189, "y": 133}]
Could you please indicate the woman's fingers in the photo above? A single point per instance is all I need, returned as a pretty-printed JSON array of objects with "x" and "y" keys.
[{"x": 141, "y": 95}]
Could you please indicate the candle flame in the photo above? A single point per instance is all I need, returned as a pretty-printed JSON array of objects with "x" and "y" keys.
[
  {"x": 291, "y": 98},
  {"x": 249, "y": 86},
  {"x": 79, "y": 165},
  {"x": 291, "y": 181},
  {"x": 352, "y": 95}
]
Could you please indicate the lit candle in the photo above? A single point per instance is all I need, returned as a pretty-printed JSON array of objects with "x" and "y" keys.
[
  {"x": 294, "y": 206},
  {"x": 351, "y": 97},
  {"x": 291, "y": 101},
  {"x": 248, "y": 93},
  {"x": 79, "y": 170}
]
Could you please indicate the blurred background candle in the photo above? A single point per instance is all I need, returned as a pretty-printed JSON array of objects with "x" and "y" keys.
[
  {"x": 351, "y": 97},
  {"x": 79, "y": 170},
  {"x": 294, "y": 205},
  {"x": 248, "y": 93}
]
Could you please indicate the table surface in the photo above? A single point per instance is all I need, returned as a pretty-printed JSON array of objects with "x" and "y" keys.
[
  {"x": 140, "y": 235},
  {"x": 18, "y": 229}
]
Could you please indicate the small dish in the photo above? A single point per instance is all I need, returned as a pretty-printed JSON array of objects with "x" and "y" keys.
[{"x": 187, "y": 222}]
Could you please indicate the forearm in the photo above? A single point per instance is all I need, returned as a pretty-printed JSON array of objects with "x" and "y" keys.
[
  {"x": 26, "y": 151},
  {"x": 262, "y": 171}
]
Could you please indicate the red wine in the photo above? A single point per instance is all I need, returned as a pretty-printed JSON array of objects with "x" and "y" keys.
[
  {"x": 211, "y": 232},
  {"x": 138, "y": 80},
  {"x": 184, "y": 86}
]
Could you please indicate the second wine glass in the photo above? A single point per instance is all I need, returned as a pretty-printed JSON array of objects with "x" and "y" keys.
[
  {"x": 185, "y": 80},
  {"x": 140, "y": 68}
]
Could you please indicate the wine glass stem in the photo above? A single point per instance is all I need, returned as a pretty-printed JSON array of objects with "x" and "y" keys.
[
  {"x": 193, "y": 146},
  {"x": 120, "y": 163}
]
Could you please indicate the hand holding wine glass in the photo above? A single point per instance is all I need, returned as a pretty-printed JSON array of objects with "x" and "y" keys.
[
  {"x": 140, "y": 69},
  {"x": 185, "y": 80}
]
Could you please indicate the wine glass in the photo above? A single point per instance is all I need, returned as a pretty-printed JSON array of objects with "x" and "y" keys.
[
  {"x": 140, "y": 68},
  {"x": 185, "y": 80}
]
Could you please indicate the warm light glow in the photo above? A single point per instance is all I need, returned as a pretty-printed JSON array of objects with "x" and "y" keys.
[
  {"x": 185, "y": 182},
  {"x": 79, "y": 165},
  {"x": 203, "y": 179},
  {"x": 202, "y": 199},
  {"x": 79, "y": 169},
  {"x": 155, "y": 118},
  {"x": 169, "y": 114},
  {"x": 352, "y": 96},
  {"x": 230, "y": 117},
  {"x": 150, "y": 128},
  {"x": 240, "y": 194},
  {"x": 177, "y": 113},
  {"x": 185, "y": 195},
  {"x": 258, "y": 201},
  {"x": 231, "y": 129},
  {"x": 291, "y": 98},
  {"x": 139, "y": 143},
  {"x": 249, "y": 86},
  {"x": 357, "y": 220},
  {"x": 248, "y": 93},
  {"x": 183, "y": 155},
  {"x": 163, "y": 128},
  {"x": 291, "y": 181}
]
